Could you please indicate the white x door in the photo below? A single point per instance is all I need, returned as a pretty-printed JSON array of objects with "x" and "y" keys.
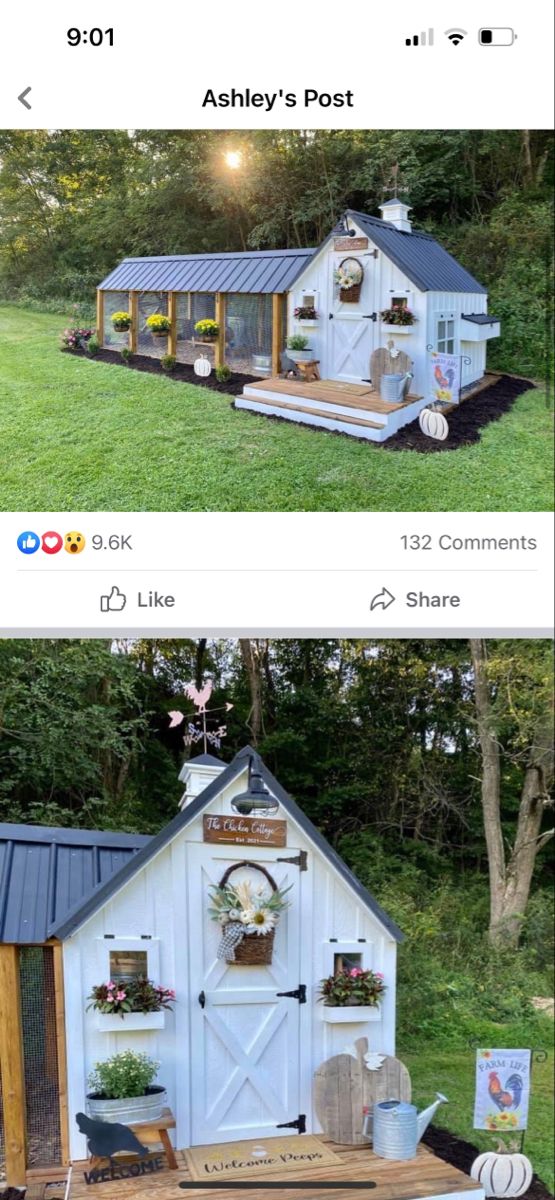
[
  {"x": 245, "y": 1038},
  {"x": 350, "y": 326}
]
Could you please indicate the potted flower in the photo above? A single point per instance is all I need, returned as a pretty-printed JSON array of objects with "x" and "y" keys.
[
  {"x": 306, "y": 314},
  {"x": 207, "y": 330},
  {"x": 159, "y": 325},
  {"x": 122, "y": 1089},
  {"x": 352, "y": 995},
  {"x": 76, "y": 338},
  {"x": 298, "y": 348},
  {"x": 134, "y": 1004},
  {"x": 121, "y": 321},
  {"x": 247, "y": 914},
  {"x": 397, "y": 319}
]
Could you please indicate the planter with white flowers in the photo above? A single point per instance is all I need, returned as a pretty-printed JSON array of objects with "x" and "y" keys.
[
  {"x": 133, "y": 1004},
  {"x": 352, "y": 996},
  {"x": 248, "y": 912}
]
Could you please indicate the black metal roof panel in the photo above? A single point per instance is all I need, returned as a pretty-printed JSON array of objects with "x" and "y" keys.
[
  {"x": 255, "y": 271},
  {"x": 45, "y": 872},
  {"x": 419, "y": 256},
  {"x": 481, "y": 318},
  {"x": 102, "y": 894}
]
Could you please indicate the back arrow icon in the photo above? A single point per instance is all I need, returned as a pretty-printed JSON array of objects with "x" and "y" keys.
[
  {"x": 382, "y": 600},
  {"x": 22, "y": 99}
]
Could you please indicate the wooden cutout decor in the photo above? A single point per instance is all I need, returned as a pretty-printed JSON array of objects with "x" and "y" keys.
[
  {"x": 344, "y": 1087},
  {"x": 382, "y": 362},
  {"x": 106, "y": 1138}
]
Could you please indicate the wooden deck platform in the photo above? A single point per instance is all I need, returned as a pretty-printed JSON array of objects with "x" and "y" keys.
[
  {"x": 345, "y": 407},
  {"x": 423, "y": 1178}
]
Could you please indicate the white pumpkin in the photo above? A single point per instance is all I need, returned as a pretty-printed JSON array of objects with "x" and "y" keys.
[
  {"x": 433, "y": 424},
  {"x": 202, "y": 366},
  {"x": 502, "y": 1174}
]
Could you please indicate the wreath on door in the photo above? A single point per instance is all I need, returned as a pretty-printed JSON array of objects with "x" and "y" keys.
[
  {"x": 348, "y": 276},
  {"x": 248, "y": 914}
]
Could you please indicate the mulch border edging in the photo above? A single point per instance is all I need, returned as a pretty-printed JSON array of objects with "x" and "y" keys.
[
  {"x": 182, "y": 373},
  {"x": 461, "y": 1154}
]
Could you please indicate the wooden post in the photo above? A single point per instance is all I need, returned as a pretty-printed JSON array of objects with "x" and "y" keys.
[
  {"x": 100, "y": 316},
  {"x": 11, "y": 1067},
  {"x": 277, "y": 331},
  {"x": 61, "y": 1048},
  {"x": 220, "y": 318},
  {"x": 172, "y": 314},
  {"x": 134, "y": 313}
]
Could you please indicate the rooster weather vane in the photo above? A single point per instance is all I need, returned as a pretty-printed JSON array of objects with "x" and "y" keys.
[{"x": 197, "y": 730}]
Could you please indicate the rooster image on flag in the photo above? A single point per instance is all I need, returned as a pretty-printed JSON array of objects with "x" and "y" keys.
[
  {"x": 502, "y": 1089},
  {"x": 444, "y": 378},
  {"x": 508, "y": 1096}
]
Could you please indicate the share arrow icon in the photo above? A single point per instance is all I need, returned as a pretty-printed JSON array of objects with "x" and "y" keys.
[{"x": 382, "y": 600}]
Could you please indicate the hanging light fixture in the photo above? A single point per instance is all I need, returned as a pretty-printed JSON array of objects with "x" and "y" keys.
[
  {"x": 256, "y": 801},
  {"x": 341, "y": 229}
]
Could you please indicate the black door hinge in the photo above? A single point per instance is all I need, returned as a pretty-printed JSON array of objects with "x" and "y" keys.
[
  {"x": 369, "y": 316},
  {"x": 298, "y": 994},
  {"x": 299, "y": 1124},
  {"x": 300, "y": 860},
  {"x": 330, "y": 316}
]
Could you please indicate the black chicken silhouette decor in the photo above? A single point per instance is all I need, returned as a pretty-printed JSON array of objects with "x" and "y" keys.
[{"x": 105, "y": 1138}]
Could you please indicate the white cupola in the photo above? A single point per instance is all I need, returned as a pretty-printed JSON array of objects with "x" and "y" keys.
[
  {"x": 196, "y": 774},
  {"x": 397, "y": 213}
]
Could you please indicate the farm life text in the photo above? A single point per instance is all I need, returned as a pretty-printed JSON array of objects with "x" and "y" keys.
[{"x": 309, "y": 98}]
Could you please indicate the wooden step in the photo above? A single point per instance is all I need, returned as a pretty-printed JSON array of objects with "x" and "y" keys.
[{"x": 312, "y": 412}]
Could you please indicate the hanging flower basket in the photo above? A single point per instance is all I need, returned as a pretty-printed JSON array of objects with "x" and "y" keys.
[
  {"x": 121, "y": 322},
  {"x": 159, "y": 325},
  {"x": 348, "y": 276},
  {"x": 247, "y": 915}
]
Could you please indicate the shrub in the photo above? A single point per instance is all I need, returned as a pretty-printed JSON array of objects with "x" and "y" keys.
[
  {"x": 122, "y": 1076},
  {"x": 207, "y": 328},
  {"x": 126, "y": 354},
  {"x": 168, "y": 362},
  {"x": 158, "y": 323},
  {"x": 93, "y": 345},
  {"x": 76, "y": 338},
  {"x": 297, "y": 341},
  {"x": 223, "y": 373}
]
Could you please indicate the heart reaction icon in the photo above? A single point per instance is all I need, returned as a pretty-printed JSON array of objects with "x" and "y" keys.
[{"x": 52, "y": 542}]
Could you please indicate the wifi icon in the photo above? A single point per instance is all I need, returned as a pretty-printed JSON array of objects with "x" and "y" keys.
[{"x": 455, "y": 36}]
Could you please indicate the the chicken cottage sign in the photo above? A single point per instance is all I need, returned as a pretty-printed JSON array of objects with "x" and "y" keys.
[
  {"x": 502, "y": 1089},
  {"x": 244, "y": 831}
]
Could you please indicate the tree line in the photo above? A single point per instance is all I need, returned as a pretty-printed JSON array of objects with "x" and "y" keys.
[
  {"x": 435, "y": 754},
  {"x": 73, "y": 203}
]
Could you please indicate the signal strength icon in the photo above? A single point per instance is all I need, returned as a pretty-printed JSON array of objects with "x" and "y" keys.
[
  {"x": 422, "y": 39},
  {"x": 455, "y": 36}
]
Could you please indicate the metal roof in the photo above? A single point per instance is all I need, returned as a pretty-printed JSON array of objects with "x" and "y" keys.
[
  {"x": 481, "y": 318},
  {"x": 419, "y": 256},
  {"x": 45, "y": 872},
  {"x": 64, "y": 928},
  {"x": 256, "y": 272}
]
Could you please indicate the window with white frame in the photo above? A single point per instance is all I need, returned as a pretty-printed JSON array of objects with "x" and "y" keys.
[{"x": 445, "y": 333}]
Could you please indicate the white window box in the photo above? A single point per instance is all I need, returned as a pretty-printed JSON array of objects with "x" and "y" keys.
[
  {"x": 309, "y": 322},
  {"x": 396, "y": 329},
  {"x": 350, "y": 1014},
  {"x": 114, "y": 1023}
]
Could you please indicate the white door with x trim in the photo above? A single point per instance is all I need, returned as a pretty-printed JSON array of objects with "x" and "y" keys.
[
  {"x": 351, "y": 326},
  {"x": 244, "y": 1036}
]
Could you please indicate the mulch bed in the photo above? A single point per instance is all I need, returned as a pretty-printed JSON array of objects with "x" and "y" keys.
[
  {"x": 461, "y": 1154},
  {"x": 182, "y": 373},
  {"x": 465, "y": 422}
]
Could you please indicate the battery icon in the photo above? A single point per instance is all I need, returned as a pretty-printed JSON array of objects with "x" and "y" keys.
[{"x": 501, "y": 36}]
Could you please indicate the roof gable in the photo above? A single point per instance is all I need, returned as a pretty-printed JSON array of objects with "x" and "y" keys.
[{"x": 102, "y": 894}]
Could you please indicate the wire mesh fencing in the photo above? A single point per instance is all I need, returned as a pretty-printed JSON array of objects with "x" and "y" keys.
[
  {"x": 148, "y": 342},
  {"x": 248, "y": 333},
  {"x": 114, "y": 302},
  {"x": 190, "y": 308},
  {"x": 40, "y": 1055}
]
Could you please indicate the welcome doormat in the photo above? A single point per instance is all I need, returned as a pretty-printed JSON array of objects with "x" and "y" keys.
[{"x": 258, "y": 1157}]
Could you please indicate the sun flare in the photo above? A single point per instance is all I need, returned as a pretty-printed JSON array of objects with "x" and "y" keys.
[{"x": 233, "y": 159}]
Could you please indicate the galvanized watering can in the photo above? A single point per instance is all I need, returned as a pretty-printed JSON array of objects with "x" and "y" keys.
[
  {"x": 394, "y": 388},
  {"x": 398, "y": 1127}
]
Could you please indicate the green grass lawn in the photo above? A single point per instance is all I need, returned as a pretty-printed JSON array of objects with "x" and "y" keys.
[
  {"x": 435, "y": 1068},
  {"x": 78, "y": 434}
]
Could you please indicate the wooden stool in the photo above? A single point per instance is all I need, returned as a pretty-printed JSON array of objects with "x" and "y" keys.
[
  {"x": 309, "y": 370},
  {"x": 155, "y": 1131}
]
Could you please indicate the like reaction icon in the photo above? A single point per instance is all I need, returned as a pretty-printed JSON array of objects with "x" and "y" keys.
[
  {"x": 28, "y": 542},
  {"x": 52, "y": 542},
  {"x": 115, "y": 602}
]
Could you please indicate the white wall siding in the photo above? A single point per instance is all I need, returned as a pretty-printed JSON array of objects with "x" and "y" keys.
[
  {"x": 152, "y": 907},
  {"x": 459, "y": 303}
]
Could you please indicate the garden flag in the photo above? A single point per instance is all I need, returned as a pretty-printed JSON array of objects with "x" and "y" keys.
[
  {"x": 445, "y": 378},
  {"x": 502, "y": 1089}
]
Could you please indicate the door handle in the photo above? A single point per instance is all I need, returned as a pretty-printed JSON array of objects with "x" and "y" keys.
[{"x": 202, "y": 999}]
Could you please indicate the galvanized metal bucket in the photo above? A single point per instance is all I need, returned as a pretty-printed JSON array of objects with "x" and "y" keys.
[{"x": 395, "y": 1132}]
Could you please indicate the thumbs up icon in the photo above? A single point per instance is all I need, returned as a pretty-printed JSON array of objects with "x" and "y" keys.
[
  {"x": 28, "y": 542},
  {"x": 115, "y": 602}
]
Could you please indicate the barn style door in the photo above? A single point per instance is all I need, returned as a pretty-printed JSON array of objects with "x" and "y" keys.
[
  {"x": 244, "y": 1036},
  {"x": 351, "y": 326}
]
